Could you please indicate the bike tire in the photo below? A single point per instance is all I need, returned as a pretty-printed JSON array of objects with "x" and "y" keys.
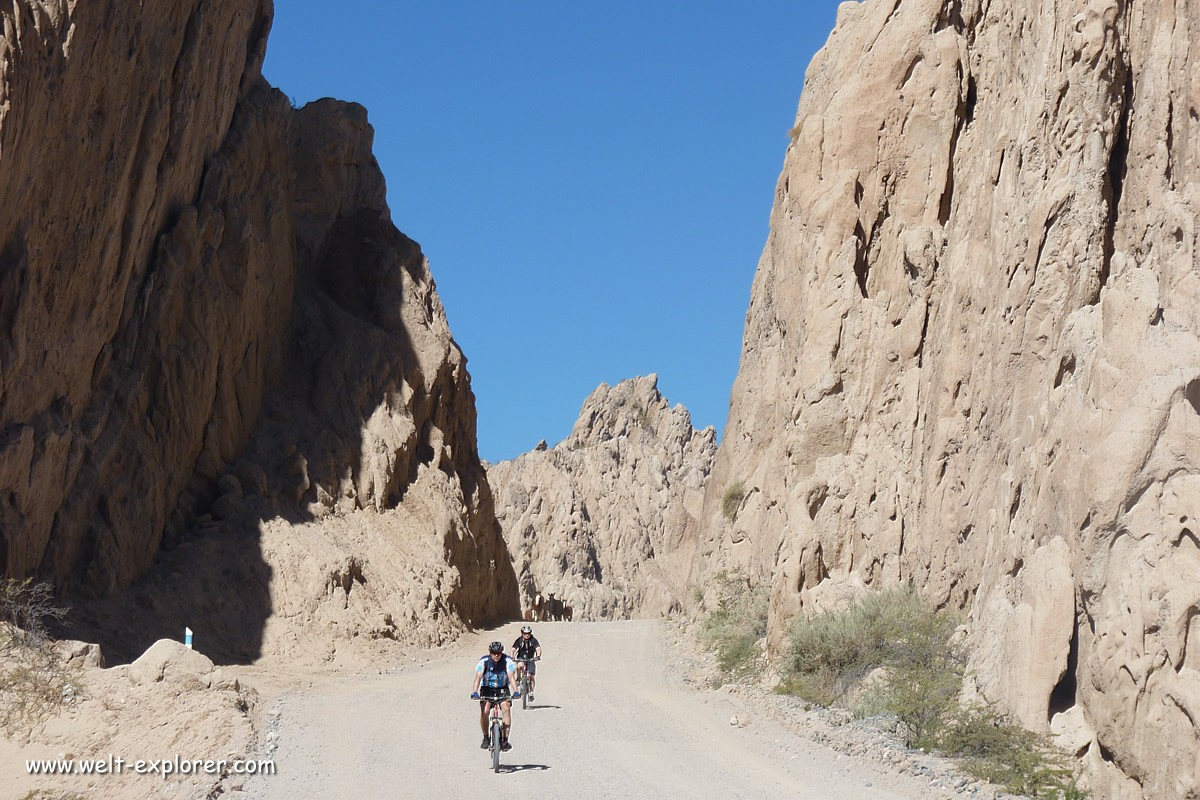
[
  {"x": 524, "y": 690},
  {"x": 496, "y": 738}
]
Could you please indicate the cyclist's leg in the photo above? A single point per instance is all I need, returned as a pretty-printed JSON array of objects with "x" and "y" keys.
[
  {"x": 532, "y": 673},
  {"x": 483, "y": 716},
  {"x": 506, "y": 713}
]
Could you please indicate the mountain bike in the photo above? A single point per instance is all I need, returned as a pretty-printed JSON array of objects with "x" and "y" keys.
[
  {"x": 495, "y": 729},
  {"x": 525, "y": 679}
]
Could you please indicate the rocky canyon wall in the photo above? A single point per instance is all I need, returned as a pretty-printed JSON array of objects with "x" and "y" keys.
[
  {"x": 599, "y": 520},
  {"x": 972, "y": 361},
  {"x": 212, "y": 338}
]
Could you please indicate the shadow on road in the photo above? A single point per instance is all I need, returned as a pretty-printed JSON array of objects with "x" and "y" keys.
[
  {"x": 531, "y": 708},
  {"x": 520, "y": 767}
]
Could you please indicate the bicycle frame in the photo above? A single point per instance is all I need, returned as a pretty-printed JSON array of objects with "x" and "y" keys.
[
  {"x": 525, "y": 679},
  {"x": 495, "y": 727}
]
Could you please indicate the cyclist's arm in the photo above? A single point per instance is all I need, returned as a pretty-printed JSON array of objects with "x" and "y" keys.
[
  {"x": 538, "y": 653},
  {"x": 478, "y": 678}
]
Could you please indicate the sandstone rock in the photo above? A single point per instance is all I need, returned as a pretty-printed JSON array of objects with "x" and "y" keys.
[
  {"x": 595, "y": 524},
  {"x": 170, "y": 702},
  {"x": 971, "y": 358},
  {"x": 167, "y": 656},
  {"x": 80, "y": 654},
  {"x": 210, "y": 330}
]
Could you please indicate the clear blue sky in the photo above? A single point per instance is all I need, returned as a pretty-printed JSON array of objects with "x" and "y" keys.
[{"x": 591, "y": 182}]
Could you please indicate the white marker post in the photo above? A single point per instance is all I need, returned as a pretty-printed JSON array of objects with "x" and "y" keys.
[{"x": 187, "y": 638}]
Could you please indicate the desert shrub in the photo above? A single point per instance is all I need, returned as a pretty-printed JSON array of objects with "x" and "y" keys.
[
  {"x": 993, "y": 748},
  {"x": 732, "y": 498},
  {"x": 34, "y": 678},
  {"x": 921, "y": 665},
  {"x": 732, "y": 630},
  {"x": 830, "y": 653},
  {"x": 642, "y": 415}
]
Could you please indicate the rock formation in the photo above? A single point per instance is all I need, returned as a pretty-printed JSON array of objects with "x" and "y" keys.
[
  {"x": 596, "y": 524},
  {"x": 971, "y": 358},
  {"x": 210, "y": 331},
  {"x": 122, "y": 711}
]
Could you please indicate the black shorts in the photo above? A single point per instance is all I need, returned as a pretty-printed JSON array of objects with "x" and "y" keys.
[{"x": 530, "y": 666}]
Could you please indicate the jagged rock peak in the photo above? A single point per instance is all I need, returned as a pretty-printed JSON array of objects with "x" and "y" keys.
[
  {"x": 596, "y": 522},
  {"x": 633, "y": 405}
]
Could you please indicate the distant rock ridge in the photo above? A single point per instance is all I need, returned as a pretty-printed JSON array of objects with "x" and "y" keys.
[
  {"x": 972, "y": 359},
  {"x": 598, "y": 520},
  {"x": 212, "y": 338}
]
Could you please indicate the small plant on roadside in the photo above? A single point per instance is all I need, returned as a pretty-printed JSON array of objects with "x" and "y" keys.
[
  {"x": 992, "y": 748},
  {"x": 733, "y": 629},
  {"x": 35, "y": 679},
  {"x": 732, "y": 499}
]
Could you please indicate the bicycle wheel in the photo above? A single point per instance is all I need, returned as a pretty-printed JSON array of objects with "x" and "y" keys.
[
  {"x": 496, "y": 734},
  {"x": 524, "y": 689}
]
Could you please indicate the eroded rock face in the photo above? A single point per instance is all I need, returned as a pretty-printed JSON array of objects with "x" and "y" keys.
[
  {"x": 971, "y": 358},
  {"x": 597, "y": 522},
  {"x": 210, "y": 328}
]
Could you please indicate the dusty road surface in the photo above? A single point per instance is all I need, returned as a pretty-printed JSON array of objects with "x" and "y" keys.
[{"x": 611, "y": 720}]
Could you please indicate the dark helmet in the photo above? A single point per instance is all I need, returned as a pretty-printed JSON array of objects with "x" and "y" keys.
[
  {"x": 495, "y": 647},
  {"x": 526, "y": 629}
]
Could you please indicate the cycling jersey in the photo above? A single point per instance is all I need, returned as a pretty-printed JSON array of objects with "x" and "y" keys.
[
  {"x": 524, "y": 648},
  {"x": 495, "y": 674}
]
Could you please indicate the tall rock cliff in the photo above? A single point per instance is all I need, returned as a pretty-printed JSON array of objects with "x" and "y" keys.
[
  {"x": 209, "y": 326},
  {"x": 972, "y": 358},
  {"x": 599, "y": 520}
]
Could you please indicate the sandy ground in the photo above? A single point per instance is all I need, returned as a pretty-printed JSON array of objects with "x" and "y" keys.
[{"x": 610, "y": 720}]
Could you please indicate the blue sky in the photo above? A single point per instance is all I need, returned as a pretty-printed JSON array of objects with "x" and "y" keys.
[{"x": 591, "y": 182}]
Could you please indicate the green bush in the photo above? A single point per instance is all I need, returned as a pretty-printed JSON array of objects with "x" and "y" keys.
[
  {"x": 922, "y": 664},
  {"x": 831, "y": 653},
  {"x": 993, "y": 748},
  {"x": 732, "y": 498},
  {"x": 732, "y": 630}
]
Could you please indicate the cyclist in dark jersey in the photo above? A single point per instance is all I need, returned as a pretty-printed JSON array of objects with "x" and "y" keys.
[
  {"x": 527, "y": 647},
  {"x": 494, "y": 675}
]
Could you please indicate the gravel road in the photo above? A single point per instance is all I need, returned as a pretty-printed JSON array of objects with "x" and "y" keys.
[{"x": 611, "y": 720}]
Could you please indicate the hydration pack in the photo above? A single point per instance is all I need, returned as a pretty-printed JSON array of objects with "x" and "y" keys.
[{"x": 495, "y": 674}]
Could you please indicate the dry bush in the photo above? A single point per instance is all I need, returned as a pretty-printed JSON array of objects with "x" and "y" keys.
[
  {"x": 35, "y": 679},
  {"x": 733, "y": 629}
]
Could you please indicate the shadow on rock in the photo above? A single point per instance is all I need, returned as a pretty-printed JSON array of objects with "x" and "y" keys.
[{"x": 366, "y": 403}]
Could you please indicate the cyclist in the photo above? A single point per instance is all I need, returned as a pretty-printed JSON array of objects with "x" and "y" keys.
[
  {"x": 525, "y": 649},
  {"x": 494, "y": 674}
]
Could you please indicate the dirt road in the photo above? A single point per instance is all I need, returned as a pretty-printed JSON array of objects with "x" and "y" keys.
[{"x": 611, "y": 720}]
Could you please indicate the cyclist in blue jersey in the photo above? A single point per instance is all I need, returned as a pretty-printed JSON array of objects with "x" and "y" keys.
[{"x": 495, "y": 673}]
